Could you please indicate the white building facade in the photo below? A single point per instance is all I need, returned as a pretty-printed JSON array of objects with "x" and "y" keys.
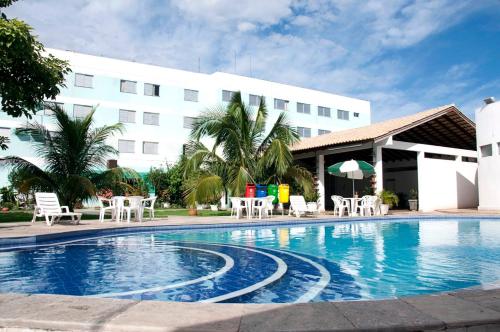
[
  {"x": 488, "y": 148},
  {"x": 157, "y": 106}
]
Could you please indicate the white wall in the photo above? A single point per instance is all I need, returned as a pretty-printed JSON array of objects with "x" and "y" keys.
[
  {"x": 443, "y": 184},
  {"x": 446, "y": 184},
  {"x": 488, "y": 132}
]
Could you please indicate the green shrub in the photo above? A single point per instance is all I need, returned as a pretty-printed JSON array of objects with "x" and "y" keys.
[{"x": 390, "y": 198}]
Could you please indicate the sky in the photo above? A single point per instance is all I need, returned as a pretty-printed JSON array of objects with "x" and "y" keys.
[{"x": 403, "y": 56}]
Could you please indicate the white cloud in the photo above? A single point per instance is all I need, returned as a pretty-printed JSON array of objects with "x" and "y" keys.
[{"x": 333, "y": 46}]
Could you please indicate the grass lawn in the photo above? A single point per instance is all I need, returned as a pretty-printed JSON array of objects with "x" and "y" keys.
[{"x": 14, "y": 216}]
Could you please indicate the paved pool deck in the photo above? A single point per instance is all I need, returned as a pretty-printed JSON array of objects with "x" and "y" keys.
[{"x": 465, "y": 310}]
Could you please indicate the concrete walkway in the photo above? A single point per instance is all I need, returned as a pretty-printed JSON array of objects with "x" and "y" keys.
[{"x": 472, "y": 310}]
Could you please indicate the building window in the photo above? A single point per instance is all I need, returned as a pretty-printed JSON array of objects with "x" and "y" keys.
[
  {"x": 469, "y": 159},
  {"x": 342, "y": 115},
  {"x": 151, "y": 118},
  {"x": 280, "y": 104},
  {"x": 441, "y": 156},
  {"x": 151, "y": 90},
  {"x": 498, "y": 147},
  {"x": 356, "y": 114},
  {"x": 304, "y": 132},
  {"x": 128, "y": 86},
  {"x": 127, "y": 116},
  {"x": 486, "y": 150},
  {"x": 189, "y": 122},
  {"x": 150, "y": 147},
  {"x": 83, "y": 80},
  {"x": 303, "y": 108},
  {"x": 4, "y": 131},
  {"x": 190, "y": 95},
  {"x": 126, "y": 146},
  {"x": 227, "y": 95},
  {"x": 81, "y": 111},
  {"x": 49, "y": 105},
  {"x": 254, "y": 100},
  {"x": 324, "y": 111},
  {"x": 323, "y": 131}
]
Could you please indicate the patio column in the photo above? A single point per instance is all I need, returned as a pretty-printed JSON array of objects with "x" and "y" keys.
[
  {"x": 379, "y": 176},
  {"x": 320, "y": 171}
]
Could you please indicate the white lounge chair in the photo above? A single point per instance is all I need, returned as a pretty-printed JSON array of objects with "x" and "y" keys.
[
  {"x": 47, "y": 205},
  {"x": 149, "y": 204},
  {"x": 340, "y": 204},
  {"x": 298, "y": 206},
  {"x": 106, "y": 204}
]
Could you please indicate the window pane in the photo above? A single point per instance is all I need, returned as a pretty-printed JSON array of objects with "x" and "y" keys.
[
  {"x": 356, "y": 115},
  {"x": 227, "y": 95},
  {"x": 486, "y": 150},
  {"x": 48, "y": 105},
  {"x": 190, "y": 95},
  {"x": 189, "y": 122},
  {"x": 303, "y": 108},
  {"x": 150, "y": 147},
  {"x": 254, "y": 100},
  {"x": 81, "y": 111},
  {"x": 151, "y": 118},
  {"x": 304, "y": 132},
  {"x": 151, "y": 90},
  {"x": 324, "y": 111},
  {"x": 126, "y": 146},
  {"x": 128, "y": 86},
  {"x": 342, "y": 115},
  {"x": 280, "y": 104},
  {"x": 323, "y": 131},
  {"x": 83, "y": 80},
  {"x": 4, "y": 131},
  {"x": 127, "y": 116}
]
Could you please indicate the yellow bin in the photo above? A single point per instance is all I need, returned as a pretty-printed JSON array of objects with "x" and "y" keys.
[{"x": 283, "y": 193}]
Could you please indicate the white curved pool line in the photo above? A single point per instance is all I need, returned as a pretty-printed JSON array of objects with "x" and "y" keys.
[
  {"x": 280, "y": 271},
  {"x": 229, "y": 263},
  {"x": 320, "y": 284}
]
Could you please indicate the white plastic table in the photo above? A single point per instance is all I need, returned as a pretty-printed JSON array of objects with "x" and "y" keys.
[
  {"x": 249, "y": 204},
  {"x": 134, "y": 202},
  {"x": 353, "y": 201}
]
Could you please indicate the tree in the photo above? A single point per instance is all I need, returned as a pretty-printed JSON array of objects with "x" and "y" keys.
[
  {"x": 27, "y": 76},
  {"x": 167, "y": 183},
  {"x": 243, "y": 152},
  {"x": 74, "y": 158}
]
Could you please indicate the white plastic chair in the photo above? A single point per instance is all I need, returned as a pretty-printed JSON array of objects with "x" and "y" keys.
[
  {"x": 270, "y": 206},
  {"x": 340, "y": 204},
  {"x": 148, "y": 204},
  {"x": 237, "y": 207},
  {"x": 261, "y": 206},
  {"x": 134, "y": 206},
  {"x": 47, "y": 205},
  {"x": 106, "y": 204}
]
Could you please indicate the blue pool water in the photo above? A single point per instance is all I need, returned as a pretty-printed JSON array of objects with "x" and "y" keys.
[{"x": 299, "y": 263}]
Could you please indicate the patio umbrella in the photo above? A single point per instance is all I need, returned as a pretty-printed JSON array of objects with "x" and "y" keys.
[{"x": 352, "y": 169}]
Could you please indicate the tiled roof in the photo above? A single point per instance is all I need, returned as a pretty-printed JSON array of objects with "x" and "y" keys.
[{"x": 374, "y": 131}]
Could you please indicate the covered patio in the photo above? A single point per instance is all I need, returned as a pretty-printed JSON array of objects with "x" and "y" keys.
[{"x": 433, "y": 152}]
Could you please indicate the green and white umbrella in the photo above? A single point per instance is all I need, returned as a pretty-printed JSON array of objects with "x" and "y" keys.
[{"x": 352, "y": 169}]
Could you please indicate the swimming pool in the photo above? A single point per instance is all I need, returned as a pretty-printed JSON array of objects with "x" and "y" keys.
[{"x": 262, "y": 264}]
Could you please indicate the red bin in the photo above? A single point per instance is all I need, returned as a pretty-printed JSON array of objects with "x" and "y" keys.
[{"x": 250, "y": 190}]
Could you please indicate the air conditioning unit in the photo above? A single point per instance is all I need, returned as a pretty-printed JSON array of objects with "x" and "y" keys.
[{"x": 112, "y": 163}]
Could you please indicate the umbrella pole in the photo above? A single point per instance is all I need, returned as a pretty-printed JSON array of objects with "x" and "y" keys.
[{"x": 352, "y": 187}]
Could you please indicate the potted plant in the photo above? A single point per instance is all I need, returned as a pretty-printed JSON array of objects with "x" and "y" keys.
[
  {"x": 413, "y": 201},
  {"x": 312, "y": 200},
  {"x": 389, "y": 199},
  {"x": 214, "y": 204}
]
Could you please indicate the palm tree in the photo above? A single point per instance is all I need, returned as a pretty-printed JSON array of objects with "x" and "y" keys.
[
  {"x": 243, "y": 152},
  {"x": 74, "y": 158}
]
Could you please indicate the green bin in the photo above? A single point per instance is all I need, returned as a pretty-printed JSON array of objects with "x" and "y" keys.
[{"x": 272, "y": 190}]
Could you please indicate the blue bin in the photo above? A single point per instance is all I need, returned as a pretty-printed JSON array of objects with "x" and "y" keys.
[{"x": 261, "y": 190}]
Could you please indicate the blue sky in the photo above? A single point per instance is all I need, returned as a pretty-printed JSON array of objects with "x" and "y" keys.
[{"x": 403, "y": 56}]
